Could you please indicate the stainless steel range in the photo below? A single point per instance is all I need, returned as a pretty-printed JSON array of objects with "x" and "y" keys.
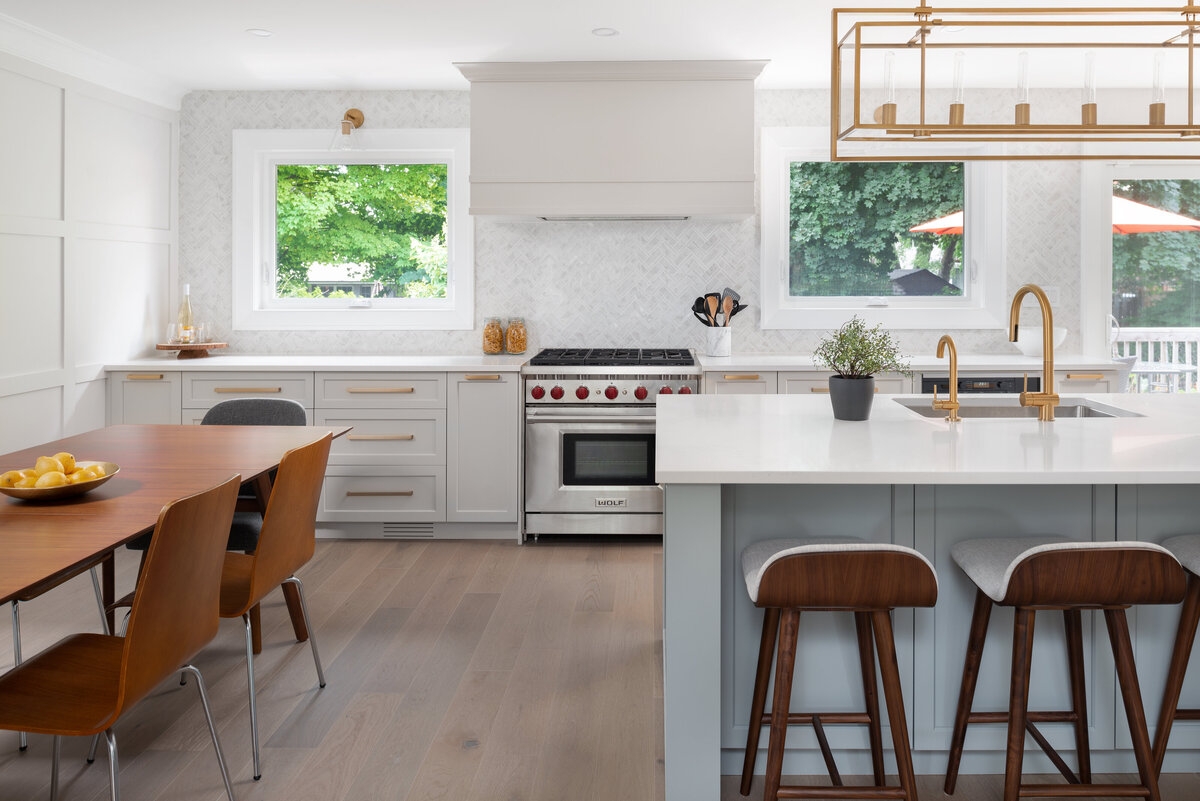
[{"x": 589, "y": 437}]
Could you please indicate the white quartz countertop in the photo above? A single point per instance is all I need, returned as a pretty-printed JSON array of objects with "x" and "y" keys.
[
  {"x": 981, "y": 362},
  {"x": 448, "y": 362},
  {"x": 794, "y": 439}
]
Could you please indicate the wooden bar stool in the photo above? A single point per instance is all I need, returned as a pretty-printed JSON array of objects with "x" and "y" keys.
[
  {"x": 789, "y": 576},
  {"x": 1187, "y": 550},
  {"x": 1052, "y": 573}
]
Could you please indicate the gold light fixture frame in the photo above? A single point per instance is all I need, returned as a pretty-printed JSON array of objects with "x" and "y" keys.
[{"x": 914, "y": 28}]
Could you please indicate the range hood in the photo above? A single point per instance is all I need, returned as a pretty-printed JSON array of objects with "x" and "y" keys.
[{"x": 612, "y": 140}]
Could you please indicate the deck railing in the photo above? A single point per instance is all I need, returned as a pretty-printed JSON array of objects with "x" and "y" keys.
[{"x": 1168, "y": 358}]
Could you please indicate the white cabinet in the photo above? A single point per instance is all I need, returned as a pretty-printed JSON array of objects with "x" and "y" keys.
[
  {"x": 482, "y": 455},
  {"x": 739, "y": 383},
  {"x": 144, "y": 397},
  {"x": 1073, "y": 382},
  {"x": 202, "y": 390},
  {"x": 817, "y": 382}
]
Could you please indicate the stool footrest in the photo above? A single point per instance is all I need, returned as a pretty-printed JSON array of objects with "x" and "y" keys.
[
  {"x": 1180, "y": 714},
  {"x": 1050, "y": 751},
  {"x": 1083, "y": 791},
  {"x": 830, "y": 718},
  {"x": 842, "y": 792},
  {"x": 1036, "y": 717}
]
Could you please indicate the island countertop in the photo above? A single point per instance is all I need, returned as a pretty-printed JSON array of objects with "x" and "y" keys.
[{"x": 794, "y": 439}]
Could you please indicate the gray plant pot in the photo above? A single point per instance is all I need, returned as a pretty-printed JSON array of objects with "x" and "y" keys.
[{"x": 851, "y": 397}]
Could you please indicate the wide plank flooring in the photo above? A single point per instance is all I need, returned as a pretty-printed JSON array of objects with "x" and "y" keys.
[{"x": 465, "y": 671}]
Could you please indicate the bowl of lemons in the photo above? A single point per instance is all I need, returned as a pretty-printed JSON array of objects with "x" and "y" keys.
[{"x": 54, "y": 477}]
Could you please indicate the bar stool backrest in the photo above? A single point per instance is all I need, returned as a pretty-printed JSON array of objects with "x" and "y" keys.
[
  {"x": 848, "y": 579},
  {"x": 1086, "y": 575}
]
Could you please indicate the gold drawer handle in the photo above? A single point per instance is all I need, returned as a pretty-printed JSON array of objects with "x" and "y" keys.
[
  {"x": 378, "y": 437},
  {"x": 745, "y": 377},
  {"x": 1085, "y": 376},
  {"x": 403, "y": 493},
  {"x": 378, "y": 390},
  {"x": 144, "y": 376},
  {"x": 482, "y": 377},
  {"x": 818, "y": 389},
  {"x": 261, "y": 390}
]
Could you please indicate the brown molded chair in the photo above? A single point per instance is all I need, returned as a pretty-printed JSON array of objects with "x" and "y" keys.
[
  {"x": 1187, "y": 550},
  {"x": 285, "y": 544},
  {"x": 788, "y": 576},
  {"x": 1034, "y": 574},
  {"x": 82, "y": 685}
]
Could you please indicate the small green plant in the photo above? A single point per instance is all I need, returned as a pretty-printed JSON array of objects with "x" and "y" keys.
[{"x": 855, "y": 351}]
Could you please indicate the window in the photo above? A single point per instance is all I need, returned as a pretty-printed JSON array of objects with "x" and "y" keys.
[
  {"x": 376, "y": 238},
  {"x": 906, "y": 244}
]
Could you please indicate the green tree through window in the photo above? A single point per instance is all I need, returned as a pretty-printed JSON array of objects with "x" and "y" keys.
[
  {"x": 1156, "y": 275},
  {"x": 382, "y": 225}
]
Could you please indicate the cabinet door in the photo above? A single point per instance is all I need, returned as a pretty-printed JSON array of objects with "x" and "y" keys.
[
  {"x": 1085, "y": 381},
  {"x": 144, "y": 397},
  {"x": 739, "y": 383},
  {"x": 482, "y": 458},
  {"x": 817, "y": 382}
]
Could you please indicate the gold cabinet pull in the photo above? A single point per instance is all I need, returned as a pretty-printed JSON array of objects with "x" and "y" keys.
[
  {"x": 144, "y": 376},
  {"x": 818, "y": 389},
  {"x": 257, "y": 390},
  {"x": 742, "y": 377},
  {"x": 482, "y": 377},
  {"x": 378, "y": 390},
  {"x": 379, "y": 437},
  {"x": 391, "y": 493},
  {"x": 1085, "y": 376}
]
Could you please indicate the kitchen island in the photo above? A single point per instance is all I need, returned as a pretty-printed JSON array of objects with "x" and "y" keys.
[{"x": 738, "y": 469}]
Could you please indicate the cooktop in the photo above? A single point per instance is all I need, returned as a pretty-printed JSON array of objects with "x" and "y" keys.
[{"x": 613, "y": 357}]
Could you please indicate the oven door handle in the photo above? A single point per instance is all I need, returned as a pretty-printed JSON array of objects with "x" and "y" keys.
[{"x": 578, "y": 418}]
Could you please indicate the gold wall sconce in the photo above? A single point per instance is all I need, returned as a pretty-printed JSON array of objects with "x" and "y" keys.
[{"x": 344, "y": 138}]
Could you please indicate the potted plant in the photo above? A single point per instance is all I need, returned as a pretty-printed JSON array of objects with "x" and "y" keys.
[{"x": 855, "y": 354}]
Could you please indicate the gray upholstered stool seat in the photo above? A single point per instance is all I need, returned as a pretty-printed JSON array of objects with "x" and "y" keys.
[{"x": 1186, "y": 548}]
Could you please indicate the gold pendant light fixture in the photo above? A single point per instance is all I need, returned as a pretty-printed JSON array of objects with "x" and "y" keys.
[{"x": 1112, "y": 82}]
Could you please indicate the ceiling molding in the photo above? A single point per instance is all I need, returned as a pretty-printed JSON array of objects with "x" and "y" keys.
[
  {"x": 520, "y": 71},
  {"x": 62, "y": 55}
]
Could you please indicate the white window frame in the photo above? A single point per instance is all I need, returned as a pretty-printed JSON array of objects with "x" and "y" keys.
[
  {"x": 983, "y": 307},
  {"x": 1095, "y": 239},
  {"x": 257, "y": 153}
]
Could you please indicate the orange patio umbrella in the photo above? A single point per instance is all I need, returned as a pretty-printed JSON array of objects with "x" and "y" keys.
[{"x": 1129, "y": 217}]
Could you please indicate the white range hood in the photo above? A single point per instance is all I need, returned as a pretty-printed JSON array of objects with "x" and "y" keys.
[{"x": 604, "y": 140}]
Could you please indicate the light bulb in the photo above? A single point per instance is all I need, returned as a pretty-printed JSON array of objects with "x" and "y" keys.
[
  {"x": 889, "y": 76},
  {"x": 1158, "y": 94},
  {"x": 1023, "y": 76},
  {"x": 1089, "y": 77},
  {"x": 959, "y": 56}
]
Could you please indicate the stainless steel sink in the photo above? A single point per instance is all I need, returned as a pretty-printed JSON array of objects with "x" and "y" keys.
[{"x": 1010, "y": 408}]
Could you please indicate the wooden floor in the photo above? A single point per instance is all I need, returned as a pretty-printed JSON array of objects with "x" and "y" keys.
[{"x": 457, "y": 670}]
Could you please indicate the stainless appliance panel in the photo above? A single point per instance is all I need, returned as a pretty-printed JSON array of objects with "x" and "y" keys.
[{"x": 554, "y": 523}]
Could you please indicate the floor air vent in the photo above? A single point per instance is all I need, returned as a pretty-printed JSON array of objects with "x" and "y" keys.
[{"x": 408, "y": 530}]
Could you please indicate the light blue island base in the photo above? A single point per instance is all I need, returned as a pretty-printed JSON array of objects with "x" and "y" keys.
[{"x": 711, "y": 630}]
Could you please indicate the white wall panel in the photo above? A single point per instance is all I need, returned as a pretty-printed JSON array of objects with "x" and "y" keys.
[
  {"x": 31, "y": 141},
  {"x": 85, "y": 410},
  {"x": 31, "y": 304},
  {"x": 123, "y": 290},
  {"x": 30, "y": 418},
  {"x": 120, "y": 160}
]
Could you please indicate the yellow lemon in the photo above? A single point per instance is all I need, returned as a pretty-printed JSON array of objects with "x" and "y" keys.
[
  {"x": 79, "y": 476},
  {"x": 48, "y": 464},
  {"x": 26, "y": 483},
  {"x": 98, "y": 471},
  {"x": 68, "y": 461},
  {"x": 55, "y": 478},
  {"x": 28, "y": 472},
  {"x": 10, "y": 478}
]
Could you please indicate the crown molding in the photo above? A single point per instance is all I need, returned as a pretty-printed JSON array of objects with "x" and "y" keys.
[
  {"x": 541, "y": 71},
  {"x": 54, "y": 52}
]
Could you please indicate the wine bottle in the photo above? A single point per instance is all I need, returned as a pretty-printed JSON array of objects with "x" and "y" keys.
[{"x": 187, "y": 328}]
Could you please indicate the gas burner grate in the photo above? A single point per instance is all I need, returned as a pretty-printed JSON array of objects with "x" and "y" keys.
[{"x": 613, "y": 357}]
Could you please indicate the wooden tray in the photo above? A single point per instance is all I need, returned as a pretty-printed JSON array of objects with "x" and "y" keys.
[{"x": 197, "y": 350}]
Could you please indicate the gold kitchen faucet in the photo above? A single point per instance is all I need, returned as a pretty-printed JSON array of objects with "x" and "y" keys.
[
  {"x": 1045, "y": 400},
  {"x": 952, "y": 404}
]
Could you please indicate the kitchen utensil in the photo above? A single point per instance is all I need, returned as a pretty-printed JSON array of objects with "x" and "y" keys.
[
  {"x": 66, "y": 490},
  {"x": 710, "y": 304},
  {"x": 698, "y": 310},
  {"x": 727, "y": 304},
  {"x": 729, "y": 293}
]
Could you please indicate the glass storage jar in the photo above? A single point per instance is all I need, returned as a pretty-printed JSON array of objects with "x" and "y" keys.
[
  {"x": 493, "y": 336},
  {"x": 515, "y": 337}
]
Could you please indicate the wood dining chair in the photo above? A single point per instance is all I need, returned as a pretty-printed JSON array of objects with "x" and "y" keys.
[
  {"x": 285, "y": 544},
  {"x": 85, "y": 683}
]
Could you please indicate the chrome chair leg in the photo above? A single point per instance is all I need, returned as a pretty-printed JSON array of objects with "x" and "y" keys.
[
  {"x": 250, "y": 685},
  {"x": 312, "y": 635},
  {"x": 91, "y": 757},
  {"x": 100, "y": 601},
  {"x": 22, "y": 737},
  {"x": 114, "y": 782},
  {"x": 57, "y": 752},
  {"x": 212, "y": 730}
]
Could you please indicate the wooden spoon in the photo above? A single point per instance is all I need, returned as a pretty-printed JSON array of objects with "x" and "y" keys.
[
  {"x": 710, "y": 303},
  {"x": 727, "y": 308}
]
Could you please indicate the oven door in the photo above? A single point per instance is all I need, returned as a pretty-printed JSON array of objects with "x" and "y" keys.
[{"x": 597, "y": 461}]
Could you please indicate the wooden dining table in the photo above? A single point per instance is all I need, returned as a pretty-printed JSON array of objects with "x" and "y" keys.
[{"x": 43, "y": 543}]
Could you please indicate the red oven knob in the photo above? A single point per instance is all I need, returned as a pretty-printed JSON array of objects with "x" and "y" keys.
[
  {"x": 640, "y": 393},
  {"x": 685, "y": 390},
  {"x": 556, "y": 393},
  {"x": 665, "y": 391},
  {"x": 611, "y": 393},
  {"x": 582, "y": 393},
  {"x": 538, "y": 393}
]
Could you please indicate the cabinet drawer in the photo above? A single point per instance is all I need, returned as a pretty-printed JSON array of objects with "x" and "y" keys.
[
  {"x": 383, "y": 436},
  {"x": 416, "y": 494},
  {"x": 739, "y": 383},
  {"x": 381, "y": 390},
  {"x": 1090, "y": 381},
  {"x": 143, "y": 397},
  {"x": 202, "y": 390},
  {"x": 817, "y": 383}
]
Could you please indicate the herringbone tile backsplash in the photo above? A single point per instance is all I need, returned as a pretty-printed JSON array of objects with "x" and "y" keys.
[{"x": 578, "y": 284}]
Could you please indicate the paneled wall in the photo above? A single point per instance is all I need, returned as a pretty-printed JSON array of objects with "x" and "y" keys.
[{"x": 87, "y": 245}]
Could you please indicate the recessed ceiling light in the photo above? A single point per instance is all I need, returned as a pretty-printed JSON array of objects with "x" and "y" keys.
[
  {"x": 605, "y": 32},
  {"x": 263, "y": 32}
]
